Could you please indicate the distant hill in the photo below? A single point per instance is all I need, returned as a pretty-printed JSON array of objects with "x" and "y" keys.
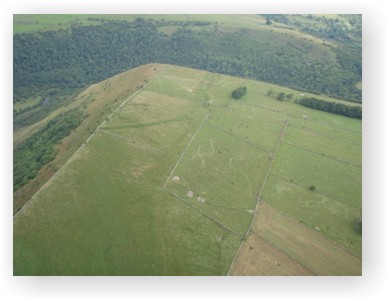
[{"x": 65, "y": 52}]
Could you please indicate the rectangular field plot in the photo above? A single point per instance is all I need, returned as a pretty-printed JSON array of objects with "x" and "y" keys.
[
  {"x": 328, "y": 146},
  {"x": 148, "y": 108},
  {"x": 339, "y": 180},
  {"x": 181, "y": 87},
  {"x": 251, "y": 124},
  {"x": 332, "y": 218},
  {"x": 106, "y": 214},
  {"x": 221, "y": 176},
  {"x": 257, "y": 257},
  {"x": 352, "y": 136},
  {"x": 306, "y": 246}
]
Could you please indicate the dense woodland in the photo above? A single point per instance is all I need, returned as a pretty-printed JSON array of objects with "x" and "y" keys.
[
  {"x": 40, "y": 148},
  {"x": 331, "y": 107},
  {"x": 73, "y": 58}
]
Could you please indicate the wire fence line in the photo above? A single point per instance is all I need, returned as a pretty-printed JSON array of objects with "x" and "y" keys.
[
  {"x": 323, "y": 154},
  {"x": 186, "y": 148},
  {"x": 82, "y": 145},
  {"x": 345, "y": 141},
  {"x": 316, "y": 191},
  {"x": 204, "y": 213},
  {"x": 239, "y": 138},
  {"x": 260, "y": 193}
]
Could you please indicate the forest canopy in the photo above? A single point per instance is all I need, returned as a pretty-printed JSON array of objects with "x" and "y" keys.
[{"x": 81, "y": 55}]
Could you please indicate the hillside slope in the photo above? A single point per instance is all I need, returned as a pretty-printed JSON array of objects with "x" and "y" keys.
[{"x": 171, "y": 176}]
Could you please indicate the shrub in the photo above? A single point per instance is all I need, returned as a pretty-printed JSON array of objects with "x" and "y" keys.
[{"x": 239, "y": 92}]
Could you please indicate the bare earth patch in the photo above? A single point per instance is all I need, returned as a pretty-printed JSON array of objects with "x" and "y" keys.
[
  {"x": 189, "y": 194},
  {"x": 307, "y": 246},
  {"x": 257, "y": 257},
  {"x": 200, "y": 199},
  {"x": 176, "y": 178}
]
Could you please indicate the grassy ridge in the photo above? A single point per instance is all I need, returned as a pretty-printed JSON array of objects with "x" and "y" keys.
[{"x": 109, "y": 212}]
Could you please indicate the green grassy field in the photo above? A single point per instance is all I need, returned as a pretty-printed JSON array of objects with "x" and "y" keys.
[
  {"x": 328, "y": 216},
  {"x": 169, "y": 183}
]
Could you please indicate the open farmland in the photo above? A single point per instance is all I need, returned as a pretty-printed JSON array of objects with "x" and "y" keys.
[{"x": 181, "y": 180}]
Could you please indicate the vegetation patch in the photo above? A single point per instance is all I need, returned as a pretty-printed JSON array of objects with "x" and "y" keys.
[
  {"x": 332, "y": 107},
  {"x": 40, "y": 149},
  {"x": 239, "y": 92},
  {"x": 62, "y": 58}
]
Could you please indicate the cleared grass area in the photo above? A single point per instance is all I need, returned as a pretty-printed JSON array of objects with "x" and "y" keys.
[
  {"x": 148, "y": 109},
  {"x": 160, "y": 189},
  {"x": 336, "y": 179},
  {"x": 109, "y": 223},
  {"x": 331, "y": 218},
  {"x": 338, "y": 132},
  {"x": 322, "y": 144},
  {"x": 221, "y": 175},
  {"x": 257, "y": 257},
  {"x": 251, "y": 124},
  {"x": 104, "y": 223},
  {"x": 98, "y": 101},
  {"x": 206, "y": 88},
  {"x": 308, "y": 247},
  {"x": 177, "y": 86}
]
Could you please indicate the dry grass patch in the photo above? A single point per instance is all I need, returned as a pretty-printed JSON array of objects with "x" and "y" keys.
[
  {"x": 257, "y": 257},
  {"x": 308, "y": 247}
]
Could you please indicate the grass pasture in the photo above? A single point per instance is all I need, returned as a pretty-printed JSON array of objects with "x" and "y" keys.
[
  {"x": 97, "y": 101},
  {"x": 169, "y": 183},
  {"x": 334, "y": 178},
  {"x": 330, "y": 217},
  {"x": 311, "y": 249},
  {"x": 328, "y": 146},
  {"x": 217, "y": 169},
  {"x": 350, "y": 134}
]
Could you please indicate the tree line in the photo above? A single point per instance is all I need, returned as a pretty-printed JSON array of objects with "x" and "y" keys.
[
  {"x": 331, "y": 107},
  {"x": 39, "y": 149}
]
